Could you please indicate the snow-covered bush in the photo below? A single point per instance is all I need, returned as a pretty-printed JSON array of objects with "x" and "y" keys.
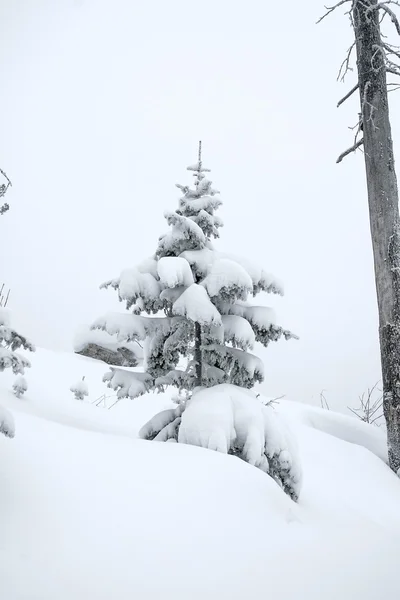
[
  {"x": 20, "y": 386},
  {"x": 232, "y": 420},
  {"x": 80, "y": 389}
]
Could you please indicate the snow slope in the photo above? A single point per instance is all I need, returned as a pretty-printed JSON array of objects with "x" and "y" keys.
[{"x": 89, "y": 511}]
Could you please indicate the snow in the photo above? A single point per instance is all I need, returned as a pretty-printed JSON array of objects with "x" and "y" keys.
[
  {"x": 5, "y": 317},
  {"x": 202, "y": 260},
  {"x": 134, "y": 284},
  {"x": 185, "y": 233},
  {"x": 195, "y": 304},
  {"x": 227, "y": 275},
  {"x": 80, "y": 389},
  {"x": 88, "y": 511},
  {"x": 207, "y": 203},
  {"x": 85, "y": 336},
  {"x": 238, "y": 331},
  {"x": 125, "y": 326},
  {"x": 7, "y": 426},
  {"x": 227, "y": 418},
  {"x": 174, "y": 271},
  {"x": 128, "y": 384}
]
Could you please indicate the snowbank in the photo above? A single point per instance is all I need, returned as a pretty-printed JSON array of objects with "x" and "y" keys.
[{"x": 87, "y": 515}]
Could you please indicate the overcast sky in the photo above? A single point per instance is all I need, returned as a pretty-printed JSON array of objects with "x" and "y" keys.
[{"x": 102, "y": 105}]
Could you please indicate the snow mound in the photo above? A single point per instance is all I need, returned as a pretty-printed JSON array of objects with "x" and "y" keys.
[
  {"x": 343, "y": 427},
  {"x": 85, "y": 514},
  {"x": 226, "y": 418}
]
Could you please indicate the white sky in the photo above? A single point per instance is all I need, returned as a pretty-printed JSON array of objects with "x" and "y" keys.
[{"x": 101, "y": 108}]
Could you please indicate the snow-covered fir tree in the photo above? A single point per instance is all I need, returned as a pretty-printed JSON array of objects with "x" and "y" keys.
[
  {"x": 80, "y": 389},
  {"x": 20, "y": 386},
  {"x": 10, "y": 342},
  {"x": 191, "y": 306}
]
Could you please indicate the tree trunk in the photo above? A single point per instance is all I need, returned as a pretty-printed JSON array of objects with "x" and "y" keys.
[
  {"x": 198, "y": 355},
  {"x": 383, "y": 208}
]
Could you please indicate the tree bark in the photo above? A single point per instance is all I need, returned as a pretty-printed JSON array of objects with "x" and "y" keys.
[
  {"x": 198, "y": 358},
  {"x": 383, "y": 208}
]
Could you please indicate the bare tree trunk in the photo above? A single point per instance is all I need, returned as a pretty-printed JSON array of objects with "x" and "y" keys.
[
  {"x": 383, "y": 207},
  {"x": 198, "y": 354}
]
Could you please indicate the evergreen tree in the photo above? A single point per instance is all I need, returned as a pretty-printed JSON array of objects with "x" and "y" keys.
[
  {"x": 198, "y": 333},
  {"x": 208, "y": 325},
  {"x": 10, "y": 342}
]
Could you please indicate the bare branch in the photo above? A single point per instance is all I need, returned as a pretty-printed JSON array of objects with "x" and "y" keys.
[
  {"x": 384, "y": 7},
  {"x": 350, "y": 150},
  {"x": 355, "y": 88},
  {"x": 345, "y": 66},
  {"x": 392, "y": 49},
  {"x": 331, "y": 9}
]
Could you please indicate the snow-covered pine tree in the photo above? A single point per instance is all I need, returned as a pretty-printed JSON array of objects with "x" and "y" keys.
[
  {"x": 10, "y": 341},
  {"x": 200, "y": 324}
]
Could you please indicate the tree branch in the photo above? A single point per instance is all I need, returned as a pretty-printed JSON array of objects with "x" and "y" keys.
[
  {"x": 355, "y": 88},
  {"x": 350, "y": 150},
  {"x": 345, "y": 66},
  {"x": 384, "y": 6},
  {"x": 331, "y": 9}
]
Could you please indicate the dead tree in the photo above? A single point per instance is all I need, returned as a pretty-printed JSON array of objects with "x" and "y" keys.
[
  {"x": 375, "y": 59},
  {"x": 3, "y": 189}
]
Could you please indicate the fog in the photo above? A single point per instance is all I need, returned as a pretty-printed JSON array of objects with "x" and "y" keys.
[{"x": 102, "y": 107}]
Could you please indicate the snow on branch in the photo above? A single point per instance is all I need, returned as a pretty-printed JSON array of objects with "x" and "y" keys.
[
  {"x": 126, "y": 327},
  {"x": 185, "y": 235},
  {"x": 7, "y": 425},
  {"x": 238, "y": 332},
  {"x": 10, "y": 359},
  {"x": 128, "y": 384},
  {"x": 195, "y": 305},
  {"x": 174, "y": 271},
  {"x": 228, "y": 280},
  {"x": 164, "y": 424},
  {"x": 244, "y": 369}
]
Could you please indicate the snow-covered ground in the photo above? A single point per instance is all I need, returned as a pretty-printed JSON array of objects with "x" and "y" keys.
[{"x": 87, "y": 510}]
